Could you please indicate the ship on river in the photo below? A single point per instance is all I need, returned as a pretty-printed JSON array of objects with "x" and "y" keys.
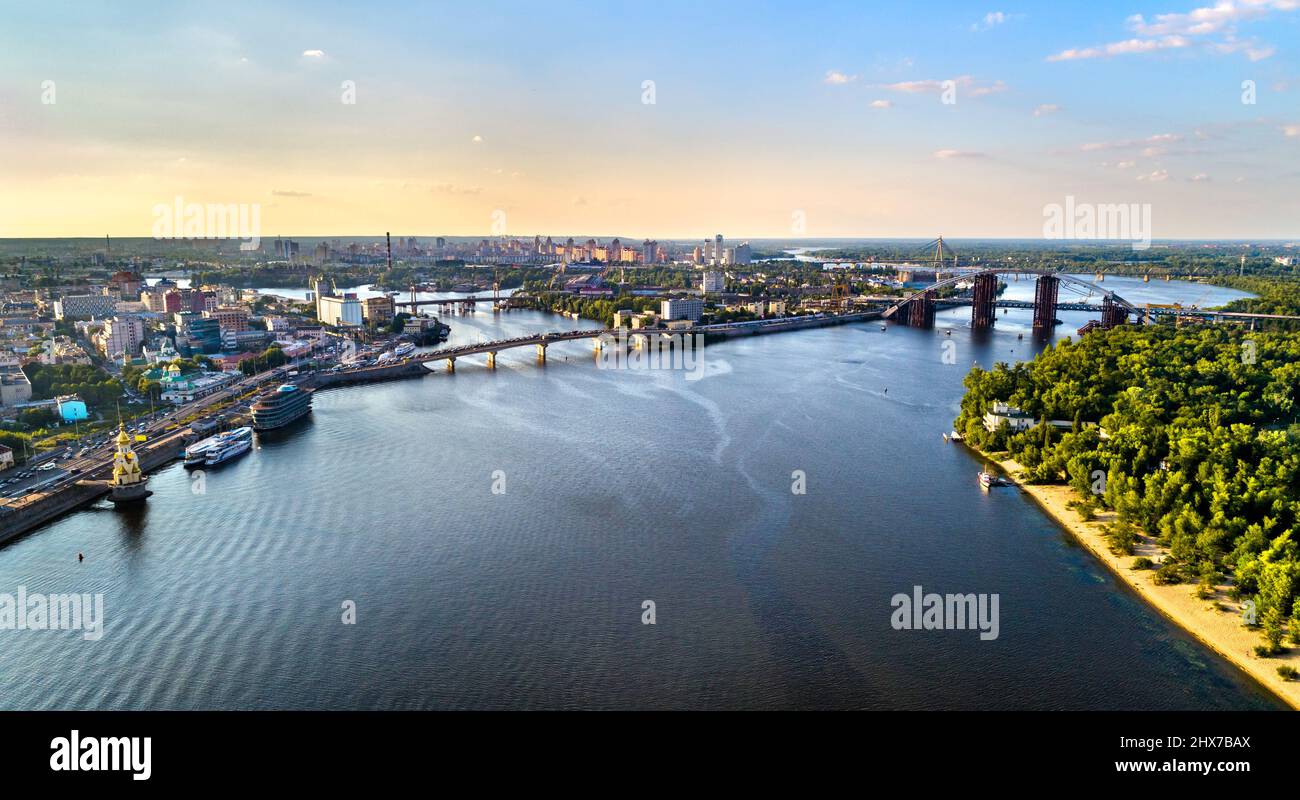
[{"x": 280, "y": 407}]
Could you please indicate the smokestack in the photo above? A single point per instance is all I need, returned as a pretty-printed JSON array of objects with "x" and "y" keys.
[{"x": 389, "y": 238}]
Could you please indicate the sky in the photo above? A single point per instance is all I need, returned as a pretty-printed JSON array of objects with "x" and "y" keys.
[{"x": 663, "y": 120}]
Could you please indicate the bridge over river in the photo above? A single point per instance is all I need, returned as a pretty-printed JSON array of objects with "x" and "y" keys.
[{"x": 917, "y": 309}]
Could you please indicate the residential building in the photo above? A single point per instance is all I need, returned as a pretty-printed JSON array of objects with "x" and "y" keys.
[
  {"x": 14, "y": 386},
  {"x": 691, "y": 308},
  {"x": 1014, "y": 417},
  {"x": 127, "y": 284},
  {"x": 230, "y": 318},
  {"x": 121, "y": 336},
  {"x": 713, "y": 282},
  {"x": 84, "y": 306},
  {"x": 6, "y": 457},
  {"x": 378, "y": 310}
]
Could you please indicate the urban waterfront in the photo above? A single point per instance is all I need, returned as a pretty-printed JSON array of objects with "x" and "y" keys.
[{"x": 225, "y": 590}]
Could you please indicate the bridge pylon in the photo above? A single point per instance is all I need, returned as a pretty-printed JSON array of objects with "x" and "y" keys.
[
  {"x": 1046, "y": 291},
  {"x": 984, "y": 306},
  {"x": 920, "y": 311},
  {"x": 1112, "y": 313}
]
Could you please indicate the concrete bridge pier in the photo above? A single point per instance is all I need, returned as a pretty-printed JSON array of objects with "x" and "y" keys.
[
  {"x": 451, "y": 364},
  {"x": 492, "y": 360},
  {"x": 541, "y": 353}
]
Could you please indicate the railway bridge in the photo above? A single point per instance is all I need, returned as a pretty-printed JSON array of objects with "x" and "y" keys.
[{"x": 917, "y": 309}]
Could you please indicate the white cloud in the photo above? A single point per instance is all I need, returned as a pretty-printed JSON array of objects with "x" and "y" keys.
[
  {"x": 881, "y": 104},
  {"x": 991, "y": 20},
  {"x": 1254, "y": 50},
  {"x": 1125, "y": 47},
  {"x": 1199, "y": 177},
  {"x": 946, "y": 154},
  {"x": 1179, "y": 30},
  {"x": 289, "y": 193},
  {"x": 313, "y": 53},
  {"x": 1045, "y": 109},
  {"x": 1291, "y": 130},
  {"x": 967, "y": 83},
  {"x": 1150, "y": 143},
  {"x": 477, "y": 139},
  {"x": 837, "y": 78},
  {"x": 1208, "y": 19},
  {"x": 1155, "y": 177}
]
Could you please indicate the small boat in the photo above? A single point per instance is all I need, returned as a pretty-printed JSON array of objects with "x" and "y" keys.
[
  {"x": 884, "y": 327},
  {"x": 989, "y": 480},
  {"x": 955, "y": 436},
  {"x": 404, "y": 349}
]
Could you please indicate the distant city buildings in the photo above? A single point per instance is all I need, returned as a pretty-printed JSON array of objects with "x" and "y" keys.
[
  {"x": 713, "y": 253},
  {"x": 712, "y": 281}
]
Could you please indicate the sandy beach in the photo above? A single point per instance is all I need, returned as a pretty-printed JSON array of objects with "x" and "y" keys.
[{"x": 1215, "y": 621}]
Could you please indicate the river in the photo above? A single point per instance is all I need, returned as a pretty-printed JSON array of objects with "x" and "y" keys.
[{"x": 500, "y": 531}]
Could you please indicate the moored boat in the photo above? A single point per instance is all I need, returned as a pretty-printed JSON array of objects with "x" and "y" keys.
[
  {"x": 230, "y": 448},
  {"x": 280, "y": 407}
]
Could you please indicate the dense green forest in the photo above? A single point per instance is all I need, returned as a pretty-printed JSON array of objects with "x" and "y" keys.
[
  {"x": 1274, "y": 296},
  {"x": 1191, "y": 435}
]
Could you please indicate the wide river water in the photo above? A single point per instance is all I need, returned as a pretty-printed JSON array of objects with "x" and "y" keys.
[{"x": 612, "y": 487}]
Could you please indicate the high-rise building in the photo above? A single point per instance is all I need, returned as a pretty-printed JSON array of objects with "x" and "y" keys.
[
  {"x": 713, "y": 282},
  {"x": 121, "y": 337},
  {"x": 741, "y": 254}
]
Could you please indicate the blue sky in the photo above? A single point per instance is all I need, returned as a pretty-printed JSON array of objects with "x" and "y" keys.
[{"x": 763, "y": 111}]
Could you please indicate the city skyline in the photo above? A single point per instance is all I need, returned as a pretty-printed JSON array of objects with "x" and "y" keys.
[{"x": 826, "y": 121}]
